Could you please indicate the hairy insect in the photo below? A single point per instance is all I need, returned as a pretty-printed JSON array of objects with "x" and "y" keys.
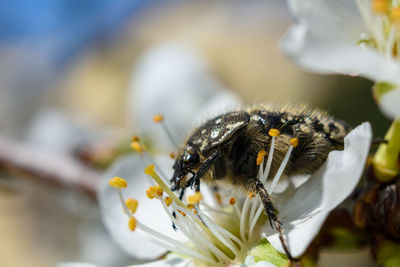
[{"x": 226, "y": 148}]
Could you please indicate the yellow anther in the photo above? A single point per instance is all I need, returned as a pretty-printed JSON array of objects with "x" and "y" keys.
[
  {"x": 159, "y": 191},
  {"x": 190, "y": 206},
  {"x": 135, "y": 145},
  {"x": 158, "y": 118},
  {"x": 181, "y": 212},
  {"x": 195, "y": 198},
  {"x": 132, "y": 223},
  {"x": 380, "y": 6},
  {"x": 135, "y": 138},
  {"x": 260, "y": 157},
  {"x": 195, "y": 211},
  {"x": 118, "y": 182},
  {"x": 218, "y": 198},
  {"x": 149, "y": 170},
  {"x": 294, "y": 142},
  {"x": 395, "y": 14},
  {"x": 251, "y": 195},
  {"x": 150, "y": 192},
  {"x": 168, "y": 201},
  {"x": 132, "y": 204},
  {"x": 274, "y": 132},
  {"x": 154, "y": 191},
  {"x": 172, "y": 155},
  {"x": 232, "y": 201}
]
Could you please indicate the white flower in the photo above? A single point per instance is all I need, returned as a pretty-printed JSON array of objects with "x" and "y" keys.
[
  {"x": 222, "y": 228},
  {"x": 171, "y": 261},
  {"x": 355, "y": 37},
  {"x": 303, "y": 213},
  {"x": 225, "y": 232},
  {"x": 214, "y": 229}
]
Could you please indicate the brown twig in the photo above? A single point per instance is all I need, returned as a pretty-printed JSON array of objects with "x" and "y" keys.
[{"x": 49, "y": 167}]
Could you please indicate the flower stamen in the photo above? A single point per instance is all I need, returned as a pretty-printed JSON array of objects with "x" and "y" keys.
[
  {"x": 156, "y": 237},
  {"x": 293, "y": 143},
  {"x": 160, "y": 119},
  {"x": 118, "y": 182},
  {"x": 168, "y": 201},
  {"x": 243, "y": 217},
  {"x": 274, "y": 132},
  {"x": 209, "y": 242},
  {"x": 263, "y": 173},
  {"x": 380, "y": 6},
  {"x": 395, "y": 14},
  {"x": 132, "y": 204},
  {"x": 260, "y": 157},
  {"x": 382, "y": 18},
  {"x": 195, "y": 198},
  {"x": 132, "y": 223},
  {"x": 137, "y": 146}
]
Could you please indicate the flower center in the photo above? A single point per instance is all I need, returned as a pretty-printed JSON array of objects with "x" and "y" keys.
[
  {"x": 382, "y": 18},
  {"x": 216, "y": 235}
]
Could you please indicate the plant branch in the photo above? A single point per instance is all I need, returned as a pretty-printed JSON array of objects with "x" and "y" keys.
[{"x": 49, "y": 167}]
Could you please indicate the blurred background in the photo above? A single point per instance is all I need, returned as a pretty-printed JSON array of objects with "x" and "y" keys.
[{"x": 77, "y": 79}]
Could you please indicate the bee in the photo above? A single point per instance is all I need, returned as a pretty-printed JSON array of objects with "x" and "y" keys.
[{"x": 226, "y": 148}]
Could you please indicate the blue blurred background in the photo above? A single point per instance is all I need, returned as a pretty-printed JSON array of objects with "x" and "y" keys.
[{"x": 40, "y": 39}]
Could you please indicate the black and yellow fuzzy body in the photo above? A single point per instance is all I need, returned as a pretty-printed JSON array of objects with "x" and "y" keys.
[
  {"x": 226, "y": 148},
  {"x": 237, "y": 137}
]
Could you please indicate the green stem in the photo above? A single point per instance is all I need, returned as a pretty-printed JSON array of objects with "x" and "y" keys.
[{"x": 386, "y": 157}]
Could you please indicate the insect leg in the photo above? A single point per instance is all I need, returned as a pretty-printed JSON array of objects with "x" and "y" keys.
[
  {"x": 195, "y": 180},
  {"x": 258, "y": 186}
]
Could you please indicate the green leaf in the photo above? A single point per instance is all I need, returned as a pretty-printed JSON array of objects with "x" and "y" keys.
[
  {"x": 389, "y": 254},
  {"x": 386, "y": 157},
  {"x": 382, "y": 88},
  {"x": 264, "y": 251}
]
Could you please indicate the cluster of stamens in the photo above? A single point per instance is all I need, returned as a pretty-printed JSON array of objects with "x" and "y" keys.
[
  {"x": 382, "y": 18},
  {"x": 263, "y": 173},
  {"x": 208, "y": 241},
  {"x": 211, "y": 240}
]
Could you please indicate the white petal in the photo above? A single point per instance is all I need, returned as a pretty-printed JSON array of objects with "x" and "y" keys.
[
  {"x": 149, "y": 212},
  {"x": 341, "y": 15},
  {"x": 171, "y": 261},
  {"x": 304, "y": 213},
  {"x": 171, "y": 79},
  {"x": 390, "y": 103},
  {"x": 325, "y": 41},
  {"x": 96, "y": 245}
]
